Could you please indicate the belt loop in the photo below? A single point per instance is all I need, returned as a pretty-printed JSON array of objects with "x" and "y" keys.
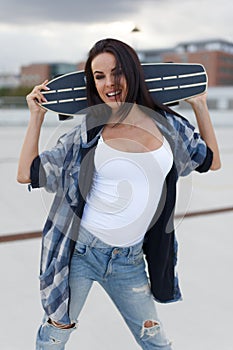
[
  {"x": 130, "y": 251},
  {"x": 93, "y": 242}
]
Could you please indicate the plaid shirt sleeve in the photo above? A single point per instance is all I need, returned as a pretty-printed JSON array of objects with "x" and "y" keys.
[
  {"x": 47, "y": 168},
  {"x": 191, "y": 152}
]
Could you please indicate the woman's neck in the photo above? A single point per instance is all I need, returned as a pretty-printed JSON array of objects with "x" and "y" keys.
[{"x": 135, "y": 117}]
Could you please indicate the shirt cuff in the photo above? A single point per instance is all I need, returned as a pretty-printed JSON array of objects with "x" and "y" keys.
[
  {"x": 205, "y": 166},
  {"x": 37, "y": 173}
]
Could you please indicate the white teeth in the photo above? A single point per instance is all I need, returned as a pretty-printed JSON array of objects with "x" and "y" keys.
[{"x": 110, "y": 94}]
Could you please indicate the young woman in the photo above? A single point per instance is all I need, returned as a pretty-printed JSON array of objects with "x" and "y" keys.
[{"x": 114, "y": 176}]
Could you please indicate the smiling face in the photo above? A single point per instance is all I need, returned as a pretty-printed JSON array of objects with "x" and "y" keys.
[{"x": 110, "y": 84}]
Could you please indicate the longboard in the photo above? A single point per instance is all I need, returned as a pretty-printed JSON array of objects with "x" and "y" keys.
[{"x": 167, "y": 83}]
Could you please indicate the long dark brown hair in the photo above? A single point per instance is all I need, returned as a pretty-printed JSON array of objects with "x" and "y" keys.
[{"x": 128, "y": 64}]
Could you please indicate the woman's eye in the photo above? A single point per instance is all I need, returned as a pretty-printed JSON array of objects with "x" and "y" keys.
[{"x": 98, "y": 77}]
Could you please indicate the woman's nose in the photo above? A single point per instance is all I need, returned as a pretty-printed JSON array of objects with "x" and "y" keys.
[{"x": 110, "y": 80}]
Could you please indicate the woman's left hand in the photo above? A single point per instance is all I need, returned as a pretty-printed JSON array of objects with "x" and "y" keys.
[
  {"x": 197, "y": 100},
  {"x": 200, "y": 108}
]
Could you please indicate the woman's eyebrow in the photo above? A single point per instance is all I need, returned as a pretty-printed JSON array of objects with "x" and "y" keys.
[{"x": 99, "y": 72}]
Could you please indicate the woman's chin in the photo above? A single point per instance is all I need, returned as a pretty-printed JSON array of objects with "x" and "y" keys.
[{"x": 115, "y": 105}]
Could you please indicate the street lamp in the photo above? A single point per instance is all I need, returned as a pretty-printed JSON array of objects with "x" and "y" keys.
[{"x": 135, "y": 32}]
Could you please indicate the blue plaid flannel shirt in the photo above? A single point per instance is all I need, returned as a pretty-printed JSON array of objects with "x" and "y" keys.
[{"x": 61, "y": 167}]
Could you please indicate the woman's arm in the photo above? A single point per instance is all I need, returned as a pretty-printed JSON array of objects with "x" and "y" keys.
[
  {"x": 206, "y": 130},
  {"x": 30, "y": 145}
]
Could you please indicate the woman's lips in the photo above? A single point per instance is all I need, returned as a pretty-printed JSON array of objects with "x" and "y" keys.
[{"x": 113, "y": 93}]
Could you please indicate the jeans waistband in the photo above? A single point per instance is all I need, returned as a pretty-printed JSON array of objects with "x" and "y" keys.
[{"x": 92, "y": 241}]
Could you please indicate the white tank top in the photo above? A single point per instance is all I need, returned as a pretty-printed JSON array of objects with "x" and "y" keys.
[{"x": 125, "y": 193}]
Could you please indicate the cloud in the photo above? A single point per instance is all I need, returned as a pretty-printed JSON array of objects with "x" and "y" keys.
[
  {"x": 27, "y": 12},
  {"x": 53, "y": 31}
]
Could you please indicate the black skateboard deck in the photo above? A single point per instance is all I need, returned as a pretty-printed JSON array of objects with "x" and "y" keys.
[{"x": 167, "y": 83}]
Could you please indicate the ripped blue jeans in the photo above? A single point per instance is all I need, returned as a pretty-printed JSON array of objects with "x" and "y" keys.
[{"x": 121, "y": 272}]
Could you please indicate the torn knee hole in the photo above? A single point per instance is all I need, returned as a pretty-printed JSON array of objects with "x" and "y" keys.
[
  {"x": 149, "y": 324},
  {"x": 150, "y": 329},
  {"x": 61, "y": 326}
]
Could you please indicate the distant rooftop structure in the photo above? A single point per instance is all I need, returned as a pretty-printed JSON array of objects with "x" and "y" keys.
[
  {"x": 206, "y": 45},
  {"x": 153, "y": 55},
  {"x": 190, "y": 46}
]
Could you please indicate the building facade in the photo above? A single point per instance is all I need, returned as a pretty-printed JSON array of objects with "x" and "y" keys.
[
  {"x": 36, "y": 73},
  {"x": 215, "y": 55}
]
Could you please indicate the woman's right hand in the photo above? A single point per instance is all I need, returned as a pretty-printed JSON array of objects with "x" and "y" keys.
[{"x": 35, "y": 97}]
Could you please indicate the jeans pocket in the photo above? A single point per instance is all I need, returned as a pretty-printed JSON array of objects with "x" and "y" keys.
[
  {"x": 81, "y": 249},
  {"x": 137, "y": 258}
]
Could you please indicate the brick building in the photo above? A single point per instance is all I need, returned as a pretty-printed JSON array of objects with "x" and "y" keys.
[
  {"x": 215, "y": 55},
  {"x": 36, "y": 73}
]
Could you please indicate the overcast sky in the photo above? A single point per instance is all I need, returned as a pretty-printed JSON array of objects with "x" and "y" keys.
[{"x": 64, "y": 31}]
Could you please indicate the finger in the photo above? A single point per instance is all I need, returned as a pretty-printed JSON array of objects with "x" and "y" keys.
[
  {"x": 36, "y": 96},
  {"x": 40, "y": 97},
  {"x": 40, "y": 87},
  {"x": 44, "y": 85}
]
